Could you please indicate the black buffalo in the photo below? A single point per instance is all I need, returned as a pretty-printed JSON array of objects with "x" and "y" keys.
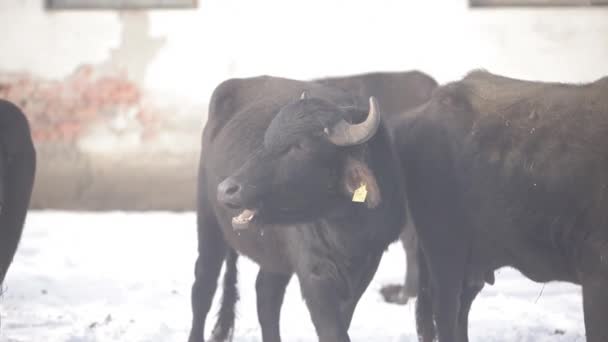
[
  {"x": 398, "y": 92},
  {"x": 277, "y": 182},
  {"x": 503, "y": 172},
  {"x": 17, "y": 168}
]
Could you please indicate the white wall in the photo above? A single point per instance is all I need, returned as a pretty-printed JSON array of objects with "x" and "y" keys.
[
  {"x": 225, "y": 38},
  {"x": 177, "y": 57}
]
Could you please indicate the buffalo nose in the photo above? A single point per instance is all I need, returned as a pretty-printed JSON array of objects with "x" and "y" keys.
[{"x": 229, "y": 193}]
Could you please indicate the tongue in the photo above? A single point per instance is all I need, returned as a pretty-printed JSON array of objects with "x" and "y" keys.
[{"x": 242, "y": 221}]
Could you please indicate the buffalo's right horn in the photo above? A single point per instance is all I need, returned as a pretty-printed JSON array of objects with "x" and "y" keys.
[{"x": 347, "y": 134}]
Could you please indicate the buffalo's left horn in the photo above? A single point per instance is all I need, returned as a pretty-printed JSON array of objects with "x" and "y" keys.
[{"x": 347, "y": 134}]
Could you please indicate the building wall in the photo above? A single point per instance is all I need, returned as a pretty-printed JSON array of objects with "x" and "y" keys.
[{"x": 117, "y": 100}]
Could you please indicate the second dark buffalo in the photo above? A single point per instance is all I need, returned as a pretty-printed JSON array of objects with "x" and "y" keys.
[
  {"x": 505, "y": 172},
  {"x": 305, "y": 184}
]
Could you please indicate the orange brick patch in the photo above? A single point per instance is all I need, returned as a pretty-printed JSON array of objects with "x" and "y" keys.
[{"x": 60, "y": 110}]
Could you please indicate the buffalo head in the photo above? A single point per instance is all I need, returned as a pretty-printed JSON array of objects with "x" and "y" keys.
[{"x": 309, "y": 165}]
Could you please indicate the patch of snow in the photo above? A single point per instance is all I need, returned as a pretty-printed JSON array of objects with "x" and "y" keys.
[{"x": 96, "y": 277}]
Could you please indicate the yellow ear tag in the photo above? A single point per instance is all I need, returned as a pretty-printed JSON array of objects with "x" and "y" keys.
[{"x": 360, "y": 194}]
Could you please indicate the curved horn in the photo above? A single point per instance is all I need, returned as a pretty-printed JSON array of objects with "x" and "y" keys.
[
  {"x": 304, "y": 95},
  {"x": 346, "y": 134}
]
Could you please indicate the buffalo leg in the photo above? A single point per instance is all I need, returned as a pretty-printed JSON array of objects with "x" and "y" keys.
[
  {"x": 441, "y": 282},
  {"x": 595, "y": 305},
  {"x": 466, "y": 301},
  {"x": 446, "y": 261},
  {"x": 410, "y": 245},
  {"x": 447, "y": 294},
  {"x": 224, "y": 325},
  {"x": 322, "y": 299},
  {"x": 9, "y": 239},
  {"x": 594, "y": 280},
  {"x": 446, "y": 309},
  {"x": 270, "y": 290},
  {"x": 10, "y": 234},
  {"x": 446, "y": 268},
  {"x": 425, "y": 322},
  {"x": 211, "y": 252},
  {"x": 360, "y": 281}
]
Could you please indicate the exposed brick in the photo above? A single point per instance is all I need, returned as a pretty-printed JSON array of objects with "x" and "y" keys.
[{"x": 60, "y": 110}]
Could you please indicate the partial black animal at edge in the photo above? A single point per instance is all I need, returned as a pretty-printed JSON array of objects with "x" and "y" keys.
[
  {"x": 503, "y": 172},
  {"x": 17, "y": 169},
  {"x": 276, "y": 183}
]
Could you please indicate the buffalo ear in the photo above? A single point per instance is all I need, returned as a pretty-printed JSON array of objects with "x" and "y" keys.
[{"x": 356, "y": 176}]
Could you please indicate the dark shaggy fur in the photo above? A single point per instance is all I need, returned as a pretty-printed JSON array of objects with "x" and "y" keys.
[{"x": 502, "y": 172}]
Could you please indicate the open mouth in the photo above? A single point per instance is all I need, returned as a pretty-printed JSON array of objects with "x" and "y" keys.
[{"x": 243, "y": 219}]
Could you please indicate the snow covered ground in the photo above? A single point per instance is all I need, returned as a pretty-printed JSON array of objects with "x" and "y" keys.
[{"x": 126, "y": 277}]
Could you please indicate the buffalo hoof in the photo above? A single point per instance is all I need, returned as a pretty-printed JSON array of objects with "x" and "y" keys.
[{"x": 395, "y": 294}]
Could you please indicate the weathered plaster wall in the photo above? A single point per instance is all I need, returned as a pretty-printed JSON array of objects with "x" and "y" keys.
[
  {"x": 117, "y": 100},
  {"x": 102, "y": 144}
]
